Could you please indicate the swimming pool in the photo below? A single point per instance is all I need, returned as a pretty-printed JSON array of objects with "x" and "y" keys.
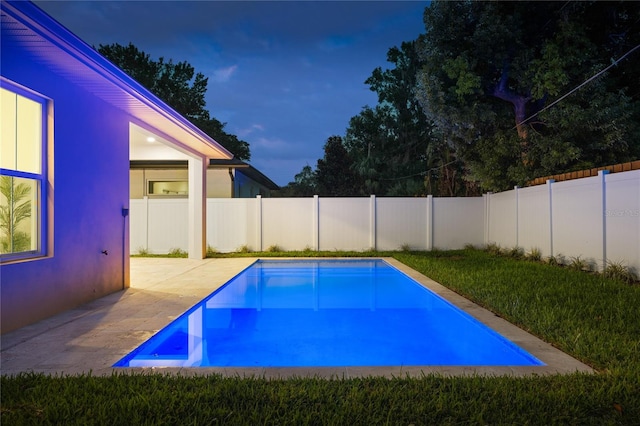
[{"x": 322, "y": 313}]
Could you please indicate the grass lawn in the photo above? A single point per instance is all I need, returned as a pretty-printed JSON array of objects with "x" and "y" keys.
[{"x": 595, "y": 319}]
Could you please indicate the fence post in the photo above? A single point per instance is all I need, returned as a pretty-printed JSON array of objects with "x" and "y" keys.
[
  {"x": 603, "y": 189},
  {"x": 316, "y": 223},
  {"x": 259, "y": 221},
  {"x": 429, "y": 222},
  {"x": 516, "y": 194},
  {"x": 550, "y": 193},
  {"x": 146, "y": 224},
  {"x": 487, "y": 217},
  {"x": 372, "y": 222}
]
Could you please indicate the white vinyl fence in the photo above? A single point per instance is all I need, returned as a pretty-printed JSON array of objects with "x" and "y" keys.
[
  {"x": 159, "y": 226},
  {"x": 596, "y": 218}
]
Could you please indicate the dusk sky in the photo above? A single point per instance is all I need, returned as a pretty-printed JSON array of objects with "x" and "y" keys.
[{"x": 283, "y": 75}]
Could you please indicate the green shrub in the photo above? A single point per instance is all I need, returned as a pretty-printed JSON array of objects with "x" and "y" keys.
[
  {"x": 243, "y": 249},
  {"x": 515, "y": 252},
  {"x": 534, "y": 255},
  {"x": 556, "y": 260},
  {"x": 577, "y": 263},
  {"x": 177, "y": 252},
  {"x": 493, "y": 248},
  {"x": 619, "y": 271}
]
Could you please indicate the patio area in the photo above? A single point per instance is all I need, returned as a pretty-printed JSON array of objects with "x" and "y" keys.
[{"x": 92, "y": 337}]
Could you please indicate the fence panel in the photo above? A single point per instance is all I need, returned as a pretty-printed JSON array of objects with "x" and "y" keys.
[
  {"x": 458, "y": 222},
  {"x": 577, "y": 208},
  {"x": 232, "y": 223},
  {"x": 288, "y": 223},
  {"x": 168, "y": 227},
  {"x": 622, "y": 216},
  {"x": 401, "y": 221},
  {"x": 534, "y": 219},
  {"x": 502, "y": 221},
  {"x": 344, "y": 223},
  {"x": 138, "y": 225}
]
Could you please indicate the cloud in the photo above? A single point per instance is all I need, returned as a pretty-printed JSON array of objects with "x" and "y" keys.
[
  {"x": 222, "y": 75},
  {"x": 272, "y": 144},
  {"x": 249, "y": 130}
]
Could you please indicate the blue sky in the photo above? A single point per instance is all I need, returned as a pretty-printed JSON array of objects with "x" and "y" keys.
[{"x": 283, "y": 75}]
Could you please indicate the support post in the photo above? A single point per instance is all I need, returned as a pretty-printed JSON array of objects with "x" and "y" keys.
[{"x": 197, "y": 208}]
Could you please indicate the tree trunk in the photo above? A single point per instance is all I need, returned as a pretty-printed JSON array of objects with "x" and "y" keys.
[{"x": 519, "y": 102}]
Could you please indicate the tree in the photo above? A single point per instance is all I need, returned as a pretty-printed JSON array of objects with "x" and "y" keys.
[
  {"x": 14, "y": 209},
  {"x": 334, "y": 174},
  {"x": 389, "y": 142},
  {"x": 304, "y": 185},
  {"x": 394, "y": 146},
  {"x": 179, "y": 86},
  {"x": 490, "y": 68}
]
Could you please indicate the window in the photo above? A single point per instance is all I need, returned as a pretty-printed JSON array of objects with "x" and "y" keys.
[
  {"x": 168, "y": 187},
  {"x": 22, "y": 172}
]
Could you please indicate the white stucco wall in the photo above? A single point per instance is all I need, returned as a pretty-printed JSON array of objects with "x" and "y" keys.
[{"x": 89, "y": 163}]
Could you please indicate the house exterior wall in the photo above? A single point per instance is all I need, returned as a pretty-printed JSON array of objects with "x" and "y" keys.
[
  {"x": 88, "y": 186},
  {"x": 247, "y": 187},
  {"x": 219, "y": 184},
  {"x": 136, "y": 184}
]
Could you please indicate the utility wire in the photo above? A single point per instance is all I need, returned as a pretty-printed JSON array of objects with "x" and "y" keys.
[
  {"x": 421, "y": 173},
  {"x": 579, "y": 86}
]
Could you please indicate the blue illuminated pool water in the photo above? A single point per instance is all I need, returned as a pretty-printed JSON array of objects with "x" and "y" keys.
[{"x": 325, "y": 313}]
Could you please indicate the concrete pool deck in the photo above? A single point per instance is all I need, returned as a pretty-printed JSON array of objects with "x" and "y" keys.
[{"x": 92, "y": 337}]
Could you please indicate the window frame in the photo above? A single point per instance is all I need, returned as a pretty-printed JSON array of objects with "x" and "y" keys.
[
  {"x": 42, "y": 179},
  {"x": 150, "y": 182}
]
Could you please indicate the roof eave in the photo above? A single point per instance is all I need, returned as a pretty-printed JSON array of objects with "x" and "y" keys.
[{"x": 38, "y": 21}]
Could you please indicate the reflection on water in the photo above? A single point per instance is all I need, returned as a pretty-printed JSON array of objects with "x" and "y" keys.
[{"x": 325, "y": 313}]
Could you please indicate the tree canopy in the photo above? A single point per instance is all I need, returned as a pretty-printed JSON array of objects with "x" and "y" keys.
[
  {"x": 388, "y": 142},
  {"x": 179, "y": 86},
  {"x": 334, "y": 173},
  {"x": 490, "y": 69},
  {"x": 495, "y": 94}
]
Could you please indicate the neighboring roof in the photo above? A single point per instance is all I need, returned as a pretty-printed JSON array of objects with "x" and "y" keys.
[
  {"x": 244, "y": 168},
  {"x": 27, "y": 27}
]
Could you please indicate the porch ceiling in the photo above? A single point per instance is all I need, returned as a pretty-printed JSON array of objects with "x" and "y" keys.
[
  {"x": 25, "y": 26},
  {"x": 148, "y": 145}
]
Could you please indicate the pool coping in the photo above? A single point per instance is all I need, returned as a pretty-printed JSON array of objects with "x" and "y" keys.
[{"x": 92, "y": 337}]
